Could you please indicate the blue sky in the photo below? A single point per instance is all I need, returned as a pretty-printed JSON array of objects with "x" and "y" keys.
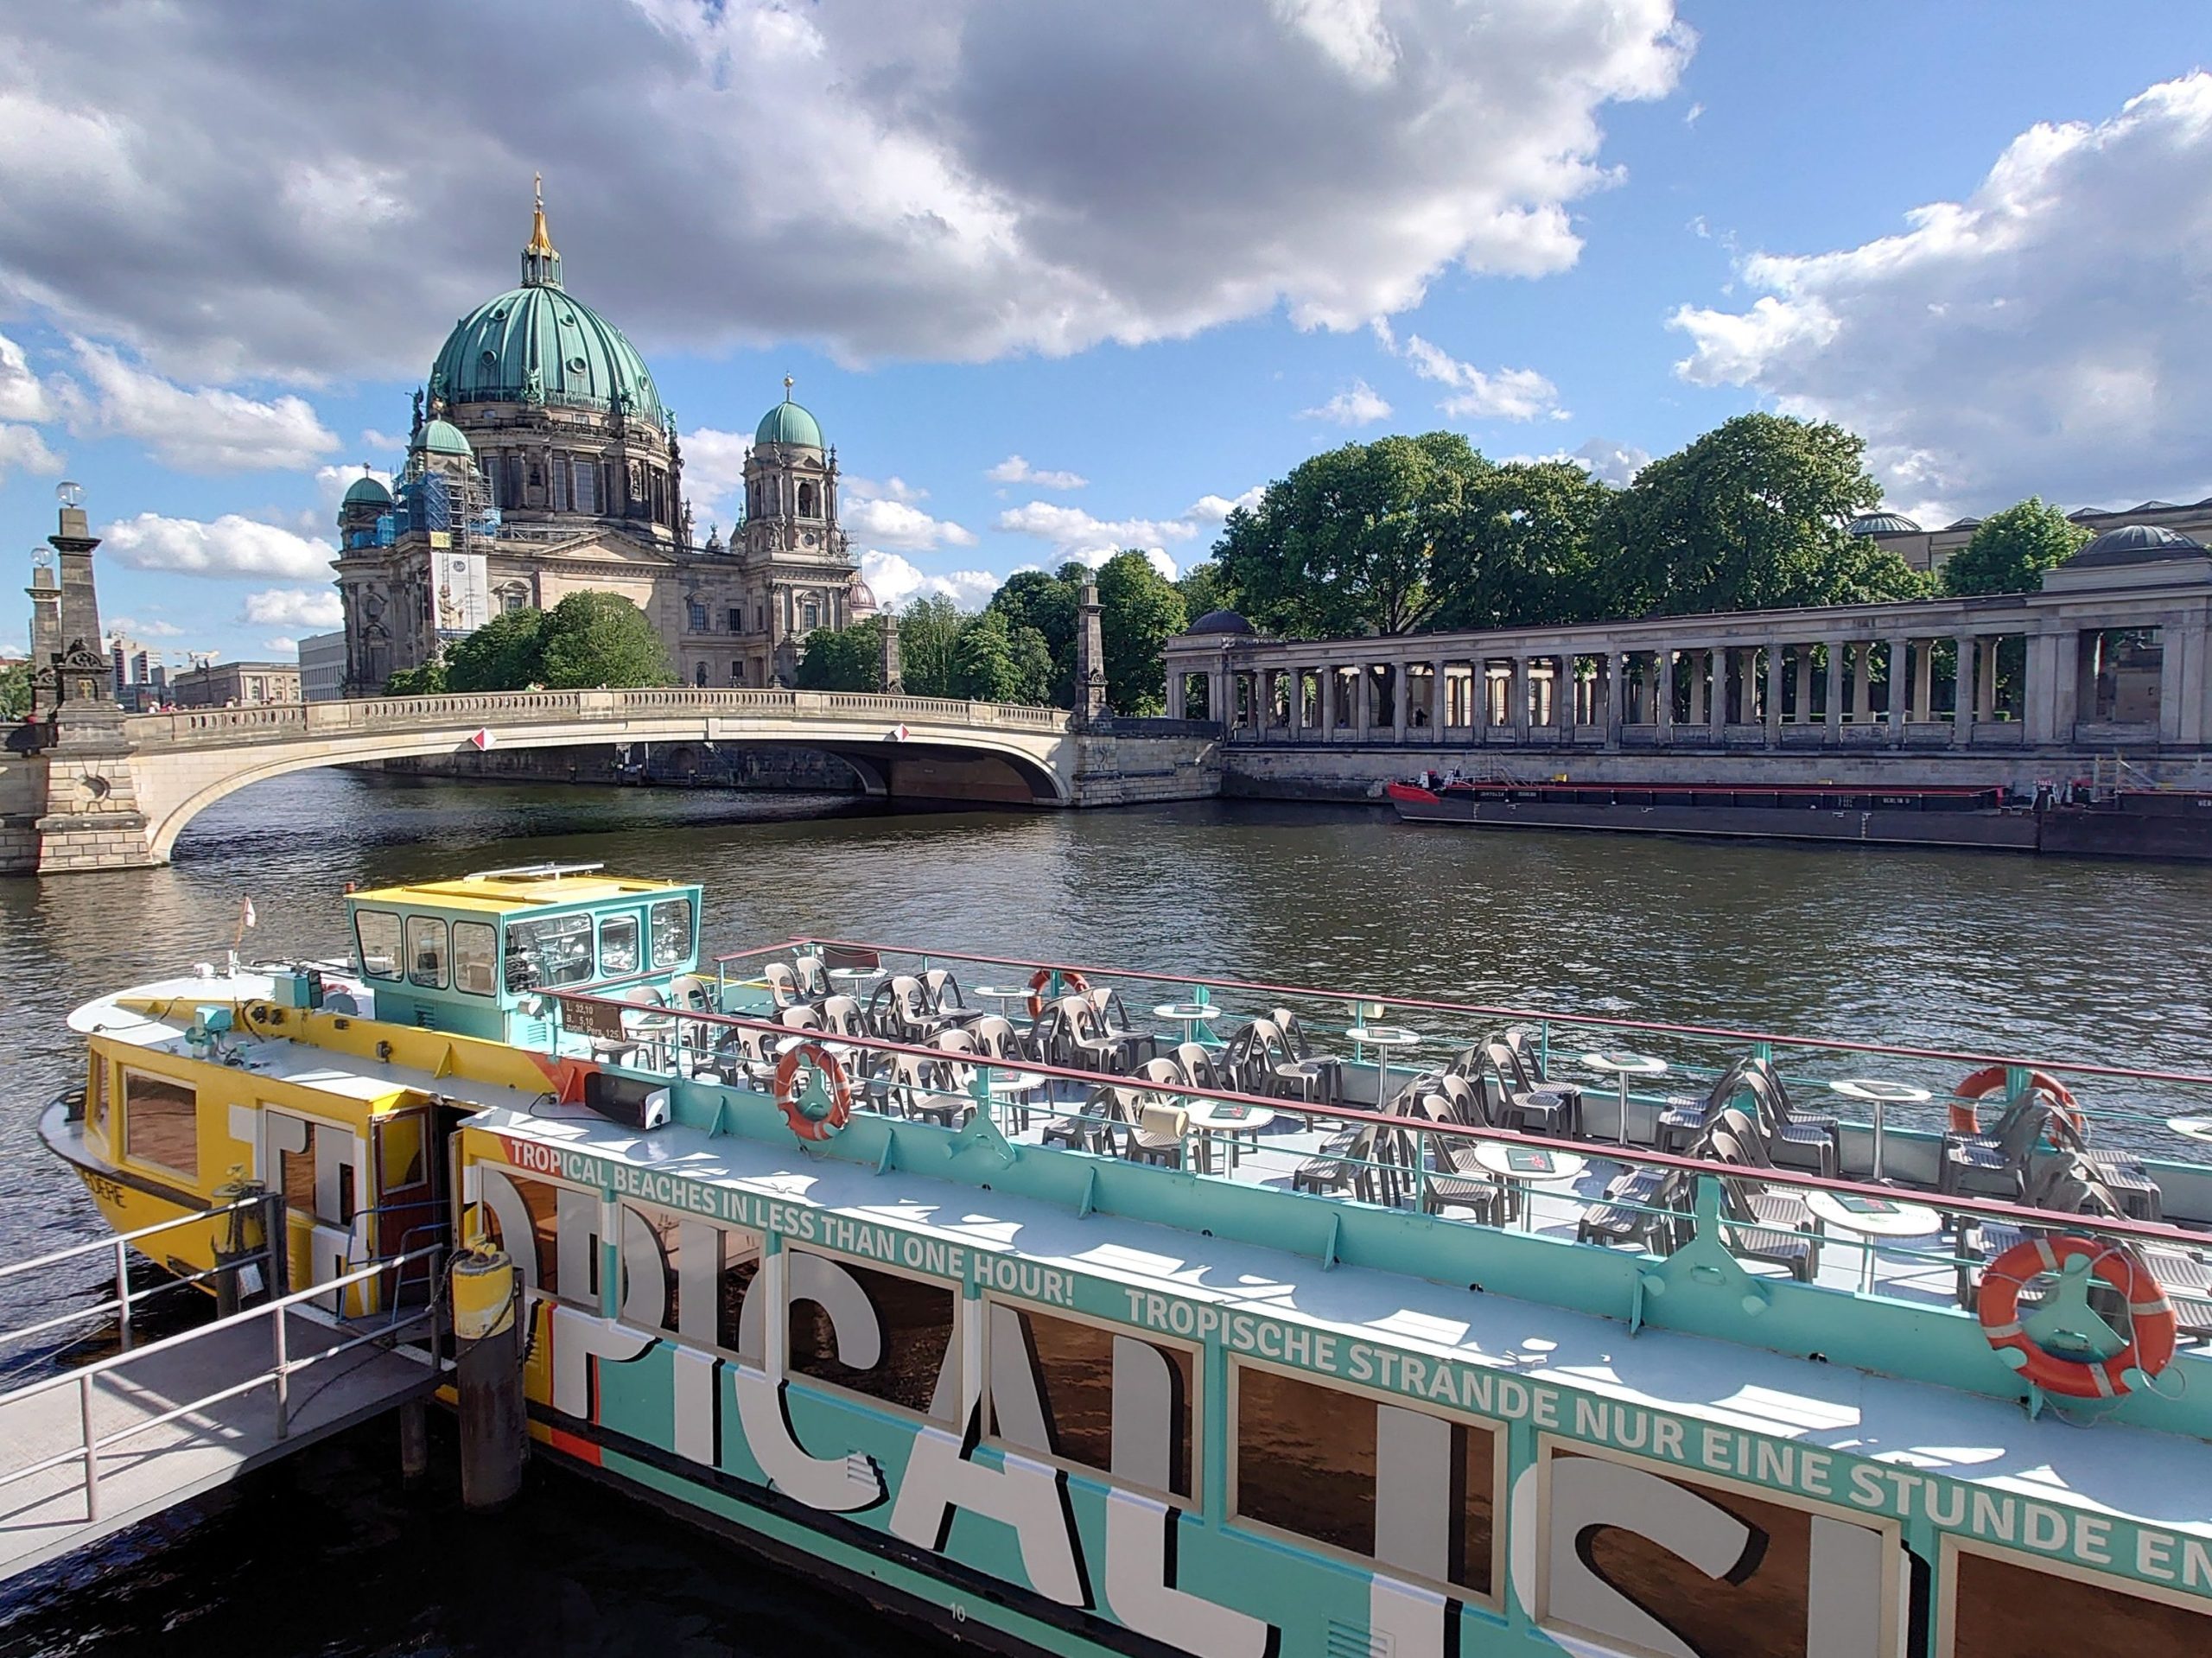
[{"x": 1594, "y": 227}]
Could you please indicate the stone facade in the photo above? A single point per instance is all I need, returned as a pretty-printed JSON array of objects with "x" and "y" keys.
[
  {"x": 542, "y": 463},
  {"x": 236, "y": 684}
]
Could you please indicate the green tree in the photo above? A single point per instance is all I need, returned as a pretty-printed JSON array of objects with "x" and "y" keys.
[
  {"x": 1749, "y": 517},
  {"x": 1034, "y": 671},
  {"x": 1139, "y": 610},
  {"x": 1345, "y": 542},
  {"x": 428, "y": 680},
  {"x": 14, "y": 690},
  {"x": 849, "y": 659},
  {"x": 929, "y": 635},
  {"x": 985, "y": 669},
  {"x": 1204, "y": 588},
  {"x": 594, "y": 639},
  {"x": 1517, "y": 552},
  {"x": 1049, "y": 604},
  {"x": 2012, "y": 549},
  {"x": 506, "y": 654}
]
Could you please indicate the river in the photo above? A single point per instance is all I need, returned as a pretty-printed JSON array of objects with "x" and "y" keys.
[{"x": 328, "y": 1555}]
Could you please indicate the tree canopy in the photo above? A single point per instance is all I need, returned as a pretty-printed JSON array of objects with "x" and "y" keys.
[
  {"x": 1345, "y": 543},
  {"x": 1139, "y": 610},
  {"x": 588, "y": 640},
  {"x": 1749, "y": 517},
  {"x": 2012, "y": 549},
  {"x": 1517, "y": 549},
  {"x": 14, "y": 690},
  {"x": 843, "y": 659}
]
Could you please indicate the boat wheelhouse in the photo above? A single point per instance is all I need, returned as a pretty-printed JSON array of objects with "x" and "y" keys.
[{"x": 1156, "y": 1312}]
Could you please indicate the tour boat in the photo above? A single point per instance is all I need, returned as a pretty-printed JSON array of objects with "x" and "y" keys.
[{"x": 1088, "y": 1309}]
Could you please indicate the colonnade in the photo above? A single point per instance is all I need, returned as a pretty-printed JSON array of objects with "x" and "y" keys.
[{"x": 1924, "y": 674}]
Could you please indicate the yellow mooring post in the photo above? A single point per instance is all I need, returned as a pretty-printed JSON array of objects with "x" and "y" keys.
[{"x": 495, "y": 1426}]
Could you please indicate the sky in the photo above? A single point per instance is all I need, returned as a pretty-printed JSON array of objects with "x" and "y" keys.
[{"x": 1061, "y": 279}]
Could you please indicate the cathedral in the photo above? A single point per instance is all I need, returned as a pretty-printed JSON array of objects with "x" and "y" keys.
[{"x": 541, "y": 462}]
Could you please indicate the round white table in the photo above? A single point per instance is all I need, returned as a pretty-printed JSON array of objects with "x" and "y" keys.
[
  {"x": 854, "y": 980},
  {"x": 1231, "y": 1121},
  {"x": 1532, "y": 1166},
  {"x": 1383, "y": 1038},
  {"x": 2199, "y": 1128},
  {"x": 1624, "y": 1065},
  {"x": 1189, "y": 1015},
  {"x": 1874, "y": 1091},
  {"x": 1009, "y": 999},
  {"x": 1871, "y": 1218}
]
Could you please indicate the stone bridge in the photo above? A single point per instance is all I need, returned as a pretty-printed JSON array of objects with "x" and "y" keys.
[{"x": 115, "y": 792}]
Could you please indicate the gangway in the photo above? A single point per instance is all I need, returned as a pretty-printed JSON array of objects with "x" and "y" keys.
[{"x": 85, "y": 1452}]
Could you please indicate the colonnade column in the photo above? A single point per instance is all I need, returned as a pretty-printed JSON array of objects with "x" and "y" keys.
[
  {"x": 1401, "y": 684},
  {"x": 1718, "y": 707},
  {"x": 1962, "y": 710},
  {"x": 1923, "y": 680},
  {"x": 1804, "y": 684},
  {"x": 1615, "y": 662},
  {"x": 1773, "y": 709},
  {"x": 1984, "y": 702},
  {"x": 1517, "y": 698},
  {"x": 1862, "y": 695},
  {"x": 1900, "y": 685},
  {"x": 1834, "y": 719},
  {"x": 1362, "y": 702},
  {"x": 1663, "y": 664},
  {"x": 1176, "y": 703}
]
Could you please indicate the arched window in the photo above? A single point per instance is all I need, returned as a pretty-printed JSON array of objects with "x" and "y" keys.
[
  {"x": 810, "y": 615},
  {"x": 699, "y": 676},
  {"x": 806, "y": 501}
]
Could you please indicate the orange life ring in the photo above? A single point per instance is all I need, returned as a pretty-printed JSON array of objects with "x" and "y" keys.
[
  {"x": 1965, "y": 1120},
  {"x": 804, "y": 1122},
  {"x": 2151, "y": 1343},
  {"x": 1072, "y": 984}
]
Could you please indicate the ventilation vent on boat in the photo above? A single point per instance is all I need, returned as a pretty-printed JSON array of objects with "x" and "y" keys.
[
  {"x": 1351, "y": 1641},
  {"x": 427, "y": 1017}
]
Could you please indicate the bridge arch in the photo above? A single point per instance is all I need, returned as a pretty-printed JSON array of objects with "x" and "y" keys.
[{"x": 910, "y": 748}]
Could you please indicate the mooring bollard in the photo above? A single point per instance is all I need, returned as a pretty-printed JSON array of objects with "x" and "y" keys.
[
  {"x": 413, "y": 1441},
  {"x": 487, "y": 1332}
]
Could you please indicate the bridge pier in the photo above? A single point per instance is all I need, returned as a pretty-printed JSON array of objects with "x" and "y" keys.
[{"x": 72, "y": 804}]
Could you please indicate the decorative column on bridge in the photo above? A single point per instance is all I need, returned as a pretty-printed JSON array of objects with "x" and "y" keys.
[
  {"x": 1090, "y": 659},
  {"x": 894, "y": 677},
  {"x": 91, "y": 818}
]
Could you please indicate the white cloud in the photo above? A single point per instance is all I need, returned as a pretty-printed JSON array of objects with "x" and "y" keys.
[
  {"x": 888, "y": 489},
  {"x": 1358, "y": 404},
  {"x": 1016, "y": 470},
  {"x": 383, "y": 443},
  {"x": 1612, "y": 463},
  {"x": 1510, "y": 394},
  {"x": 23, "y": 449},
  {"x": 21, "y": 396},
  {"x": 231, "y": 546},
  {"x": 317, "y": 609},
  {"x": 961, "y": 181},
  {"x": 907, "y": 528},
  {"x": 714, "y": 474},
  {"x": 281, "y": 645},
  {"x": 896, "y": 580},
  {"x": 202, "y": 429},
  {"x": 1071, "y": 529},
  {"x": 1691, "y": 114},
  {"x": 1213, "y": 509},
  {"x": 2045, "y": 335},
  {"x": 132, "y": 627}
]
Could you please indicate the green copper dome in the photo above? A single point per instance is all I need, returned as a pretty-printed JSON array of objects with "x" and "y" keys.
[
  {"x": 787, "y": 422},
  {"x": 438, "y": 437},
  {"x": 537, "y": 345},
  {"x": 366, "y": 491}
]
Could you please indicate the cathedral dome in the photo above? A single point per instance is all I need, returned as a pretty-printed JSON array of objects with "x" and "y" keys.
[
  {"x": 366, "y": 490},
  {"x": 436, "y": 437},
  {"x": 789, "y": 423},
  {"x": 537, "y": 344}
]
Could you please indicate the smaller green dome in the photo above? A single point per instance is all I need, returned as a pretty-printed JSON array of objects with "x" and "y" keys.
[
  {"x": 441, "y": 437},
  {"x": 788, "y": 423},
  {"x": 366, "y": 490}
]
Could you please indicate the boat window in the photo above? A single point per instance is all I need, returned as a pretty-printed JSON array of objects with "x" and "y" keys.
[
  {"x": 741, "y": 1265},
  {"x": 379, "y": 931},
  {"x": 913, "y": 1324},
  {"x": 1309, "y": 1458},
  {"x": 301, "y": 1171},
  {"x": 95, "y": 1096},
  {"x": 657, "y": 1305},
  {"x": 1052, "y": 1391},
  {"x": 549, "y": 952},
  {"x": 400, "y": 1152},
  {"x": 426, "y": 951},
  {"x": 475, "y": 948},
  {"x": 542, "y": 1203},
  {"x": 160, "y": 1123},
  {"x": 671, "y": 932},
  {"x": 617, "y": 946},
  {"x": 2000, "y": 1607}
]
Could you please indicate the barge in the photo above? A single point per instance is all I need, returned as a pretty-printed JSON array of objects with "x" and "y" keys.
[
  {"x": 2126, "y": 823},
  {"x": 1083, "y": 1310}
]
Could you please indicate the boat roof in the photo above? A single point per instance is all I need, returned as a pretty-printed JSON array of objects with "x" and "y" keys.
[
  {"x": 1909, "y": 1424},
  {"x": 504, "y": 891}
]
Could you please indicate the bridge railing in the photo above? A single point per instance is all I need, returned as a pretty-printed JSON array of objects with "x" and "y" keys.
[{"x": 192, "y": 727}]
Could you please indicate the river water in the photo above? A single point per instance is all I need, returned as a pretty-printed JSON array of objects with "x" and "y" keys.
[{"x": 328, "y": 1555}]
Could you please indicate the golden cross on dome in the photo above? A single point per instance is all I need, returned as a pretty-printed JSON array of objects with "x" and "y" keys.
[{"x": 540, "y": 241}]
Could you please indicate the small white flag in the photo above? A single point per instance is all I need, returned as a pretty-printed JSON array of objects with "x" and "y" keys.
[{"x": 246, "y": 917}]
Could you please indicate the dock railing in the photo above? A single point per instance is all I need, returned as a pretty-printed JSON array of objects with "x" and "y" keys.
[
  {"x": 1690, "y": 1195},
  {"x": 279, "y": 1370}
]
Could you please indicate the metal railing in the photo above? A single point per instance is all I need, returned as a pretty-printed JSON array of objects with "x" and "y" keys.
[
  {"x": 281, "y": 1368},
  {"x": 267, "y": 1257}
]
